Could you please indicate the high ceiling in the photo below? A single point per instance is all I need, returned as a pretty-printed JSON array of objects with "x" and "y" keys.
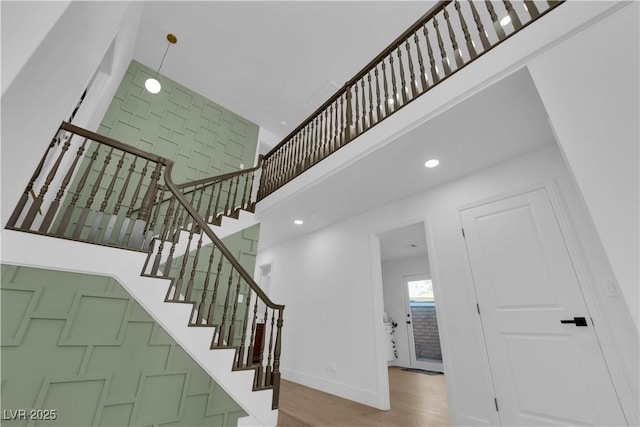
[{"x": 270, "y": 61}]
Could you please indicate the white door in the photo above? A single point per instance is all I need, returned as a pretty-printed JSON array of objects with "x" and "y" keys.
[
  {"x": 422, "y": 327},
  {"x": 545, "y": 371}
]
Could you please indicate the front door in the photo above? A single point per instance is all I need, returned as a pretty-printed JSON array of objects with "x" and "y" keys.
[
  {"x": 422, "y": 325},
  {"x": 545, "y": 359}
]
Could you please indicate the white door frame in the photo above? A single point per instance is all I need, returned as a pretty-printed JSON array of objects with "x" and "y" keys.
[{"x": 409, "y": 321}]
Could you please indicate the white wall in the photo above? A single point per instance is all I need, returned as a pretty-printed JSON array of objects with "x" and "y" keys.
[
  {"x": 394, "y": 304},
  {"x": 589, "y": 85},
  {"x": 330, "y": 281},
  {"x": 24, "y": 26},
  {"x": 51, "y": 80}
]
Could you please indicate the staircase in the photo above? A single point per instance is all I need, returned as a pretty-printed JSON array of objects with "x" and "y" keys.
[
  {"x": 122, "y": 199},
  {"x": 158, "y": 236}
]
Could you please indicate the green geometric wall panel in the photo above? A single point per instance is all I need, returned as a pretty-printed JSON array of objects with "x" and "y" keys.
[
  {"x": 179, "y": 124},
  {"x": 78, "y": 343}
]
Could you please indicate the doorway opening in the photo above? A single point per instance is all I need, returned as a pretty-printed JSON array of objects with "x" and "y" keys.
[{"x": 410, "y": 304}]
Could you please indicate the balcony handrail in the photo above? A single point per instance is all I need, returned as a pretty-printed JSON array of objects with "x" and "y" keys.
[
  {"x": 363, "y": 71},
  {"x": 439, "y": 44}
]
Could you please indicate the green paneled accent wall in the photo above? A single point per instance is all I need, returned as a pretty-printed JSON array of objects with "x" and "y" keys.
[
  {"x": 79, "y": 344},
  {"x": 202, "y": 137},
  {"x": 244, "y": 247}
]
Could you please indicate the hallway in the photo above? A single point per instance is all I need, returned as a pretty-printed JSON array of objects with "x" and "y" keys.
[{"x": 416, "y": 400}]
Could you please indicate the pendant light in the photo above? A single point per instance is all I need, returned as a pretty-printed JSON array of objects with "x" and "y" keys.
[{"x": 152, "y": 84}]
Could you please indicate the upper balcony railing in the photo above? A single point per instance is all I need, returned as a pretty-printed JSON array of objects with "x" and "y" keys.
[{"x": 443, "y": 41}]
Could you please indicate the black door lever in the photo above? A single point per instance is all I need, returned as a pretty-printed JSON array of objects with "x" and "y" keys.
[{"x": 579, "y": 321}]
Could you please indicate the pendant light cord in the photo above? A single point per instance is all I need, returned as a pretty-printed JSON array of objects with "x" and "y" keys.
[{"x": 162, "y": 61}]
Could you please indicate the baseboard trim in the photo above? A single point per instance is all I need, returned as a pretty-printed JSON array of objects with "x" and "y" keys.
[{"x": 346, "y": 391}]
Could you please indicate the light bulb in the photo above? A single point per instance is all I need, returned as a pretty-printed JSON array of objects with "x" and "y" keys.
[
  {"x": 432, "y": 163},
  {"x": 152, "y": 85}
]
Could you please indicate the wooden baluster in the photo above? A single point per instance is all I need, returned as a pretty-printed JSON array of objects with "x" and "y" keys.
[
  {"x": 276, "y": 362},
  {"x": 379, "y": 109},
  {"x": 87, "y": 208},
  {"x": 470, "y": 46},
  {"x": 371, "y": 121},
  {"x": 332, "y": 130},
  {"x": 326, "y": 148},
  {"x": 232, "y": 326},
  {"x": 212, "y": 305},
  {"x": 515, "y": 19},
  {"x": 243, "y": 339},
  {"x": 481, "y": 32},
  {"x": 252, "y": 338},
  {"x": 341, "y": 121},
  {"x": 363, "y": 117},
  {"x": 138, "y": 237},
  {"x": 403, "y": 84},
  {"x": 234, "y": 208},
  {"x": 496, "y": 22},
  {"x": 304, "y": 148},
  {"x": 443, "y": 53},
  {"x": 109, "y": 232},
  {"x": 269, "y": 369},
  {"x": 134, "y": 199},
  {"x": 185, "y": 259},
  {"x": 387, "y": 100},
  {"x": 434, "y": 70},
  {"x": 151, "y": 225},
  {"x": 531, "y": 9},
  {"x": 200, "y": 319},
  {"x": 175, "y": 236},
  {"x": 35, "y": 207},
  {"x": 228, "y": 202},
  {"x": 164, "y": 234},
  {"x": 452, "y": 36},
  {"x": 318, "y": 138},
  {"x": 260, "y": 369},
  {"x": 395, "y": 99},
  {"x": 423, "y": 74},
  {"x": 246, "y": 199},
  {"x": 53, "y": 208},
  {"x": 223, "y": 323},
  {"x": 250, "y": 203},
  {"x": 356, "y": 123},
  {"x": 105, "y": 200},
  {"x": 25, "y": 195},
  {"x": 216, "y": 212},
  {"x": 194, "y": 266},
  {"x": 212, "y": 188},
  {"x": 412, "y": 75}
]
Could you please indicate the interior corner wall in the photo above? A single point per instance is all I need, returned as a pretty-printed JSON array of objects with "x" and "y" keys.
[
  {"x": 394, "y": 304},
  {"x": 325, "y": 280},
  {"x": 203, "y": 138},
  {"x": 49, "y": 83},
  {"x": 589, "y": 86},
  {"x": 80, "y": 345}
]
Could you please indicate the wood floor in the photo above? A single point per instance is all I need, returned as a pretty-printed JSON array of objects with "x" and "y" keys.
[{"x": 417, "y": 400}]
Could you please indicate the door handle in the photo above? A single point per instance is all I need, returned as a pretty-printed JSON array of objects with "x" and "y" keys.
[
  {"x": 578, "y": 321},
  {"x": 408, "y": 323}
]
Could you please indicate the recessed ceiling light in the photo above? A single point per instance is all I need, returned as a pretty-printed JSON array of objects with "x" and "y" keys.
[
  {"x": 283, "y": 123},
  {"x": 505, "y": 21},
  {"x": 432, "y": 163},
  {"x": 298, "y": 222}
]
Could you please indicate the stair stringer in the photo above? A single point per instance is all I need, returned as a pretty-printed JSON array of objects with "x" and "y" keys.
[{"x": 34, "y": 250}]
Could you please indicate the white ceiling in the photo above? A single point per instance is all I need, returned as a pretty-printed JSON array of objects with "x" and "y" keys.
[
  {"x": 278, "y": 61},
  {"x": 270, "y": 61},
  {"x": 501, "y": 122},
  {"x": 403, "y": 242}
]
